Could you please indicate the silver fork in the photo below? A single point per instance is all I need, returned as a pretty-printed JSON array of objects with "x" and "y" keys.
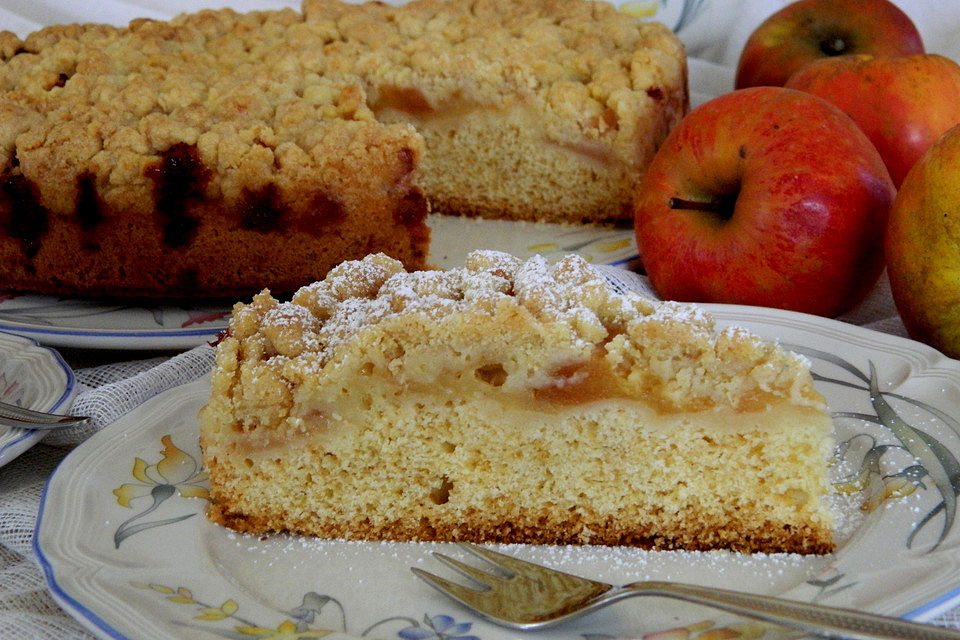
[
  {"x": 12, "y": 415},
  {"x": 528, "y": 596}
]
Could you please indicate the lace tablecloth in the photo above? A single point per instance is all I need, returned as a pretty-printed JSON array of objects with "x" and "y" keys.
[{"x": 714, "y": 32}]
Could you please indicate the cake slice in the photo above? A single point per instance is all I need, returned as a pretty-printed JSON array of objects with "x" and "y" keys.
[{"x": 511, "y": 401}]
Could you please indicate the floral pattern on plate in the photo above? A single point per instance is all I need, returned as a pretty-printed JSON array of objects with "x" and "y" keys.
[{"x": 933, "y": 468}]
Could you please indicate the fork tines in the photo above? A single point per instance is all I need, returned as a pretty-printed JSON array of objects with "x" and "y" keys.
[
  {"x": 517, "y": 593},
  {"x": 483, "y": 579}
]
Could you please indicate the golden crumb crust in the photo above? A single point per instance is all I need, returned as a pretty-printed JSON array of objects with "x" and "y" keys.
[
  {"x": 555, "y": 316},
  {"x": 515, "y": 401}
]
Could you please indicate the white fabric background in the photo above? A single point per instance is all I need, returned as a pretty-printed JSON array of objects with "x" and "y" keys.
[
  {"x": 27, "y": 612},
  {"x": 720, "y": 29},
  {"x": 716, "y": 33}
]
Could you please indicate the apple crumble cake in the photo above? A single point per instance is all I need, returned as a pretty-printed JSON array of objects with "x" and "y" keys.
[
  {"x": 511, "y": 401},
  {"x": 220, "y": 152},
  {"x": 204, "y": 157}
]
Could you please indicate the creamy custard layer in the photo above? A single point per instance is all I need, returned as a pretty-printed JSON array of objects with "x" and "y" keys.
[{"x": 331, "y": 417}]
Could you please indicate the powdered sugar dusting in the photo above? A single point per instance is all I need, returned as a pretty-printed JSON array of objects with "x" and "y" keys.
[
  {"x": 574, "y": 304},
  {"x": 361, "y": 294},
  {"x": 381, "y": 564}
]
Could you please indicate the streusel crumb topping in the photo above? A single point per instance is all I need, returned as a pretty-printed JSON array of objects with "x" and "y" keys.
[
  {"x": 549, "y": 316},
  {"x": 250, "y": 92}
]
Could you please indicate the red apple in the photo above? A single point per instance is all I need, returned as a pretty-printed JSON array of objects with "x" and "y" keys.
[
  {"x": 904, "y": 104},
  {"x": 923, "y": 247},
  {"x": 809, "y": 30},
  {"x": 765, "y": 196}
]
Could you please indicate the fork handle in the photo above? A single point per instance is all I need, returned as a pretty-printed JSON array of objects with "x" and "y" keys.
[
  {"x": 12, "y": 415},
  {"x": 817, "y": 619},
  {"x": 30, "y": 425}
]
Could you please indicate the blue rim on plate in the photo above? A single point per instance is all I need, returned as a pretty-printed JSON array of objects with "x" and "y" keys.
[
  {"x": 117, "y": 339},
  {"x": 118, "y": 324}
]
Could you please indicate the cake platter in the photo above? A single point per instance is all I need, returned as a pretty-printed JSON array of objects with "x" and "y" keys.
[
  {"x": 34, "y": 377},
  {"x": 125, "y": 548},
  {"x": 89, "y": 323}
]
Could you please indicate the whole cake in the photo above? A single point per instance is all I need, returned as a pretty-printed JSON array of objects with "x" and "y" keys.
[
  {"x": 511, "y": 401},
  {"x": 220, "y": 153}
]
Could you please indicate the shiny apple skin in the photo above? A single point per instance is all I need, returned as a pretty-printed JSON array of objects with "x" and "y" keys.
[
  {"x": 807, "y": 226},
  {"x": 803, "y": 31},
  {"x": 923, "y": 247},
  {"x": 904, "y": 103}
]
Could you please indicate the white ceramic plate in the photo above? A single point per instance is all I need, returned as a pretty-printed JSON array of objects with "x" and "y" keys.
[
  {"x": 126, "y": 549},
  {"x": 34, "y": 377},
  {"x": 118, "y": 324}
]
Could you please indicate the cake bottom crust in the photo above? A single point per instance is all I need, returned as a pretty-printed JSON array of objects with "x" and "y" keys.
[
  {"x": 774, "y": 538},
  {"x": 222, "y": 260}
]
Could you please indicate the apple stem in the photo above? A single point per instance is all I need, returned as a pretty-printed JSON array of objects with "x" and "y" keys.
[
  {"x": 693, "y": 205},
  {"x": 835, "y": 46}
]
